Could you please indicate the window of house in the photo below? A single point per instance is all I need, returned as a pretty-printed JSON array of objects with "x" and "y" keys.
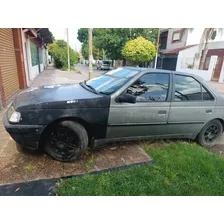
[
  {"x": 163, "y": 40},
  {"x": 150, "y": 87},
  {"x": 177, "y": 35},
  {"x": 34, "y": 53},
  {"x": 187, "y": 88}
]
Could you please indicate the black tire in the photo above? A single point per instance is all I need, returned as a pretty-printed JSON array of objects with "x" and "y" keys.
[
  {"x": 210, "y": 133},
  {"x": 67, "y": 141}
]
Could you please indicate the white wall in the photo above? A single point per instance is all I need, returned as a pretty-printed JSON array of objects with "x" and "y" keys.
[
  {"x": 221, "y": 78},
  {"x": 34, "y": 71},
  {"x": 216, "y": 45},
  {"x": 205, "y": 74},
  {"x": 185, "y": 57},
  {"x": 41, "y": 67},
  {"x": 27, "y": 57}
]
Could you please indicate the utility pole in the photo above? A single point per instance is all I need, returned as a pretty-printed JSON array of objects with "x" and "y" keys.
[
  {"x": 90, "y": 53},
  {"x": 68, "y": 51},
  {"x": 157, "y": 48}
]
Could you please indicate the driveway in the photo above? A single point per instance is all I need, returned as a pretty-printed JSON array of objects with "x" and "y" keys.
[{"x": 18, "y": 167}]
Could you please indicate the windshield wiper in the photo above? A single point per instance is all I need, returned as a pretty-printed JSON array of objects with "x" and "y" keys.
[{"x": 89, "y": 86}]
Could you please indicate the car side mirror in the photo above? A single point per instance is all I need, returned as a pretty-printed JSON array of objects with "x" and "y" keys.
[{"x": 126, "y": 98}]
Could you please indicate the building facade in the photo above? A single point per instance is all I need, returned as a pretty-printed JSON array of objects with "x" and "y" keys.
[
  {"x": 23, "y": 55},
  {"x": 175, "y": 40},
  {"x": 170, "y": 39},
  {"x": 213, "y": 69}
]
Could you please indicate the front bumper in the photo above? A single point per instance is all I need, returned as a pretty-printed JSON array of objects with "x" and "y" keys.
[{"x": 25, "y": 135}]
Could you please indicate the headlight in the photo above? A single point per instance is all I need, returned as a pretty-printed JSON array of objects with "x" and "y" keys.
[{"x": 13, "y": 116}]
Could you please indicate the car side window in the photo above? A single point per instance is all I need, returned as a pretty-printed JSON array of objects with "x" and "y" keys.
[
  {"x": 150, "y": 87},
  {"x": 187, "y": 88},
  {"x": 206, "y": 94}
]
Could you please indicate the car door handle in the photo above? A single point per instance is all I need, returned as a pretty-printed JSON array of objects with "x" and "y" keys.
[
  {"x": 209, "y": 111},
  {"x": 162, "y": 112}
]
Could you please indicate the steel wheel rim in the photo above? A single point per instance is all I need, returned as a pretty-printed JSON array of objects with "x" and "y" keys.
[
  {"x": 64, "y": 142},
  {"x": 211, "y": 133}
]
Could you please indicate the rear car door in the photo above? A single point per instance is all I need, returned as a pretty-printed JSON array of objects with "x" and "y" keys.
[
  {"x": 149, "y": 115},
  {"x": 192, "y": 106}
]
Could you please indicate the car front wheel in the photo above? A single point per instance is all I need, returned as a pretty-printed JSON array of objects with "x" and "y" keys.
[
  {"x": 67, "y": 141},
  {"x": 210, "y": 133}
]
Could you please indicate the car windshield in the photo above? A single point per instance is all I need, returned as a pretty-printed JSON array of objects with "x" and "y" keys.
[
  {"x": 106, "y": 62},
  {"x": 111, "y": 81}
]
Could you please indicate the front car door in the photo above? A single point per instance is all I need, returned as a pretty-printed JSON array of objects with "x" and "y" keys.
[
  {"x": 149, "y": 115},
  {"x": 192, "y": 106}
]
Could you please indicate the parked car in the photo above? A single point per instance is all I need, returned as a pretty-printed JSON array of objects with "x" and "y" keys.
[
  {"x": 103, "y": 65},
  {"x": 122, "y": 104}
]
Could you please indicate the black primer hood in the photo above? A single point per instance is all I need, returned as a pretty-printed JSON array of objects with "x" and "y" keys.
[{"x": 59, "y": 97}]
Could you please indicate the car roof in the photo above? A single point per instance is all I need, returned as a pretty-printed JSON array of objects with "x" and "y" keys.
[
  {"x": 161, "y": 71},
  {"x": 156, "y": 70}
]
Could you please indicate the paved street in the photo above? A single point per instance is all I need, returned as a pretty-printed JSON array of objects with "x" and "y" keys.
[{"x": 84, "y": 69}]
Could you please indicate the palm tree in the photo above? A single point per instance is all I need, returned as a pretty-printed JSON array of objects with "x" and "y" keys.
[{"x": 207, "y": 35}]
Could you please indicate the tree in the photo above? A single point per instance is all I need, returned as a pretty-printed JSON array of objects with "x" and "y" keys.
[
  {"x": 83, "y": 35},
  {"x": 139, "y": 50},
  {"x": 207, "y": 35},
  {"x": 52, "y": 36},
  {"x": 58, "y": 50},
  {"x": 112, "y": 40},
  {"x": 83, "y": 38},
  {"x": 97, "y": 53}
]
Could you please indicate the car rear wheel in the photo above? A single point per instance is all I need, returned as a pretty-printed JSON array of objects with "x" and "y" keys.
[
  {"x": 210, "y": 133},
  {"x": 67, "y": 141}
]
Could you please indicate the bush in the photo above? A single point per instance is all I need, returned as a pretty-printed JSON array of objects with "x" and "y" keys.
[
  {"x": 139, "y": 50},
  {"x": 58, "y": 50}
]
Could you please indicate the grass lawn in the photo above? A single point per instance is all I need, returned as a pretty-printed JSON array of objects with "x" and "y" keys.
[{"x": 181, "y": 169}]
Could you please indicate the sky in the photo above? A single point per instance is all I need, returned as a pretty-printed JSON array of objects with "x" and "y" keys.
[{"x": 60, "y": 33}]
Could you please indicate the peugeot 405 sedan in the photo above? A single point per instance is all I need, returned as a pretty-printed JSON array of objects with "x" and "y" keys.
[{"x": 122, "y": 104}]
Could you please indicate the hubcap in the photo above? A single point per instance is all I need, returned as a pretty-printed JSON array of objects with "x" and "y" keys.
[
  {"x": 211, "y": 133},
  {"x": 63, "y": 142}
]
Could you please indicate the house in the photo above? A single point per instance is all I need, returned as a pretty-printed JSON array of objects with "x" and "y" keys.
[
  {"x": 174, "y": 40},
  {"x": 171, "y": 41},
  {"x": 23, "y": 55},
  {"x": 36, "y": 58},
  {"x": 213, "y": 69}
]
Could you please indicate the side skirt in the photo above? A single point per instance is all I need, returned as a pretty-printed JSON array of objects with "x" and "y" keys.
[{"x": 98, "y": 142}]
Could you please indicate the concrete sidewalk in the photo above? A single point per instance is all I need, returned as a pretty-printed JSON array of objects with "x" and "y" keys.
[{"x": 52, "y": 76}]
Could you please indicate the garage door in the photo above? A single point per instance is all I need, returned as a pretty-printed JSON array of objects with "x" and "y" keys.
[{"x": 8, "y": 63}]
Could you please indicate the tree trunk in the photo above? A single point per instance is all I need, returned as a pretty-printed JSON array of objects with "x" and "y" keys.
[
  {"x": 196, "y": 59},
  {"x": 204, "y": 55},
  {"x": 207, "y": 38}
]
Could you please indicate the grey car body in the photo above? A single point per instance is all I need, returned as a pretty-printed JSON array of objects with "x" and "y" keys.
[
  {"x": 108, "y": 119},
  {"x": 168, "y": 119}
]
